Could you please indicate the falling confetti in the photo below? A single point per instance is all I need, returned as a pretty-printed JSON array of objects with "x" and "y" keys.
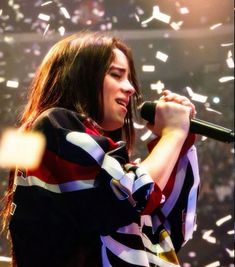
[
  {"x": 161, "y": 56},
  {"x": 223, "y": 220},
  {"x": 148, "y": 68},
  {"x": 215, "y": 26},
  {"x": 21, "y": 149},
  {"x": 44, "y": 17}
]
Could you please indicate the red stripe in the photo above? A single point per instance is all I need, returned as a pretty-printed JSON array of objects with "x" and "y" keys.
[
  {"x": 55, "y": 170},
  {"x": 153, "y": 201}
]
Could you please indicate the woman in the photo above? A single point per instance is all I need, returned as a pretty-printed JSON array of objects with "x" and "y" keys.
[{"x": 87, "y": 204}]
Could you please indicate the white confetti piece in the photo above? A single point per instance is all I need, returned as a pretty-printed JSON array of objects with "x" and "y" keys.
[
  {"x": 5, "y": 259},
  {"x": 223, "y": 220},
  {"x": 22, "y": 149},
  {"x": 44, "y": 17},
  {"x": 158, "y": 15},
  {"x": 207, "y": 236},
  {"x": 213, "y": 110},
  {"x": 230, "y": 252},
  {"x": 225, "y": 79},
  {"x": 230, "y": 232},
  {"x": 46, "y": 3},
  {"x": 215, "y": 26},
  {"x": 65, "y": 12},
  {"x": 61, "y": 30},
  {"x": 138, "y": 126},
  {"x": 183, "y": 10},
  {"x": 158, "y": 86},
  {"x": 199, "y": 98},
  {"x": 226, "y": 44},
  {"x": 161, "y": 56},
  {"x": 176, "y": 25},
  {"x": 46, "y": 29},
  {"x": 12, "y": 84},
  {"x": 213, "y": 264},
  {"x": 148, "y": 68},
  {"x": 146, "y": 135},
  {"x": 229, "y": 60}
]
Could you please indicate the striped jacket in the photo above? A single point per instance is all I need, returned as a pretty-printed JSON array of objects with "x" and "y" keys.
[{"x": 86, "y": 205}]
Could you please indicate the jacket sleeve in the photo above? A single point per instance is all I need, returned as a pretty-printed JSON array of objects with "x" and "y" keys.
[{"x": 80, "y": 180}]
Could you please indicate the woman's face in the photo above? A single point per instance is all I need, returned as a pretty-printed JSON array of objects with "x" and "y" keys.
[{"x": 117, "y": 91}]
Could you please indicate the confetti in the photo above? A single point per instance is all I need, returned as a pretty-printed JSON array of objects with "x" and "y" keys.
[
  {"x": 138, "y": 126},
  {"x": 158, "y": 15},
  {"x": 231, "y": 232},
  {"x": 214, "y": 264},
  {"x": 46, "y": 3},
  {"x": 223, "y": 220},
  {"x": 5, "y": 259},
  {"x": 226, "y": 79},
  {"x": 46, "y": 29},
  {"x": 158, "y": 86},
  {"x": 176, "y": 25},
  {"x": 12, "y": 84},
  {"x": 65, "y": 12},
  {"x": 61, "y": 30},
  {"x": 22, "y": 149},
  {"x": 199, "y": 98},
  {"x": 229, "y": 60},
  {"x": 215, "y": 26},
  {"x": 44, "y": 17},
  {"x": 226, "y": 44},
  {"x": 207, "y": 236},
  {"x": 161, "y": 56},
  {"x": 148, "y": 68},
  {"x": 146, "y": 135},
  {"x": 213, "y": 110},
  {"x": 183, "y": 10},
  {"x": 230, "y": 252}
]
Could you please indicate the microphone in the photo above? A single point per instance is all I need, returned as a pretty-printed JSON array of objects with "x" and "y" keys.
[{"x": 197, "y": 126}]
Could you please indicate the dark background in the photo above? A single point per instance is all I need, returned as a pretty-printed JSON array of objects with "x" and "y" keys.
[{"x": 196, "y": 59}]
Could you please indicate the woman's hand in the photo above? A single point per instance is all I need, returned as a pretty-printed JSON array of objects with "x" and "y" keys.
[
  {"x": 167, "y": 96},
  {"x": 172, "y": 115},
  {"x": 172, "y": 120}
]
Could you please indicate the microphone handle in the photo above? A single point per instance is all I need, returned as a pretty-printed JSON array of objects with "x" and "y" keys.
[
  {"x": 197, "y": 126},
  {"x": 211, "y": 130}
]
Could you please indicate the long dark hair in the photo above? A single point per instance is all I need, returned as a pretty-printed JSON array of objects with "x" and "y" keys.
[{"x": 71, "y": 76}]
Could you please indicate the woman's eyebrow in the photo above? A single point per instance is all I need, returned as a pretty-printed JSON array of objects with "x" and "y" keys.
[{"x": 113, "y": 67}]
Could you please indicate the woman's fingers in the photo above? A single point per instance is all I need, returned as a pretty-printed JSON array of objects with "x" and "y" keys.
[{"x": 167, "y": 95}]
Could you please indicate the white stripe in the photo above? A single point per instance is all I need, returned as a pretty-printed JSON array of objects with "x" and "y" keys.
[
  {"x": 141, "y": 181},
  {"x": 155, "y": 248},
  {"x": 192, "y": 198},
  {"x": 56, "y": 188},
  {"x": 133, "y": 256},
  {"x": 179, "y": 181},
  {"x": 131, "y": 229},
  {"x": 113, "y": 167},
  {"x": 87, "y": 143},
  {"x": 105, "y": 260}
]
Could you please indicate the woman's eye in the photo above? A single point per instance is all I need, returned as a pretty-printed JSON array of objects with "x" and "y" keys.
[{"x": 116, "y": 75}]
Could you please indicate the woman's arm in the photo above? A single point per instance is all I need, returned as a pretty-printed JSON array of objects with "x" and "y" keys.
[{"x": 171, "y": 125}]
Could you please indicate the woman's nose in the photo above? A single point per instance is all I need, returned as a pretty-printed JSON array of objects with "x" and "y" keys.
[{"x": 127, "y": 88}]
